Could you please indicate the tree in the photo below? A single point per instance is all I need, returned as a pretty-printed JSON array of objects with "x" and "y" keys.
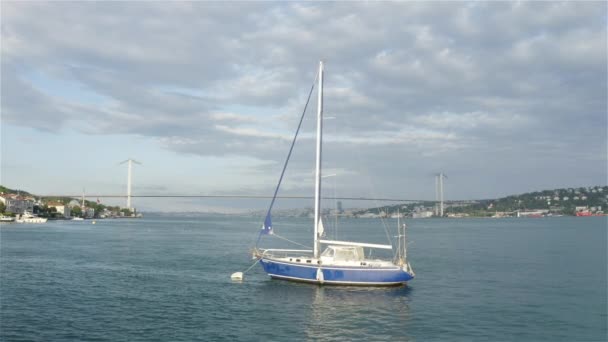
[
  {"x": 53, "y": 212},
  {"x": 2, "y": 207},
  {"x": 77, "y": 211},
  {"x": 43, "y": 211}
]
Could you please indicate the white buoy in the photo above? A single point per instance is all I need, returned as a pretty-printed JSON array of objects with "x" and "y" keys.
[
  {"x": 93, "y": 222},
  {"x": 238, "y": 276}
]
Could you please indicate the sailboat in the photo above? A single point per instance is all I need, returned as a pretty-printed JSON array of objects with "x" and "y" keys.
[{"x": 341, "y": 262}]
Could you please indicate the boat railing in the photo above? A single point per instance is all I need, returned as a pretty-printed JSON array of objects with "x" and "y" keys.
[
  {"x": 357, "y": 244},
  {"x": 279, "y": 252}
]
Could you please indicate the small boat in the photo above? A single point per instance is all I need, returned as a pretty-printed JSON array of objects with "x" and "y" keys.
[
  {"x": 77, "y": 219},
  {"x": 6, "y": 219},
  {"x": 342, "y": 262},
  {"x": 27, "y": 217}
]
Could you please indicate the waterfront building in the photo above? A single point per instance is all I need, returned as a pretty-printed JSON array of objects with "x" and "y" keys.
[
  {"x": 422, "y": 214},
  {"x": 17, "y": 204},
  {"x": 61, "y": 208},
  {"x": 89, "y": 212}
]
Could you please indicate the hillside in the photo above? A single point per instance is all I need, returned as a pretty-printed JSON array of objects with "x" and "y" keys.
[
  {"x": 557, "y": 201},
  {"x": 6, "y": 190},
  {"x": 43, "y": 205}
]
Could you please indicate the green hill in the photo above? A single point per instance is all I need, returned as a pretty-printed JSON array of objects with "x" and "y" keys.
[
  {"x": 6, "y": 190},
  {"x": 559, "y": 201},
  {"x": 43, "y": 209}
]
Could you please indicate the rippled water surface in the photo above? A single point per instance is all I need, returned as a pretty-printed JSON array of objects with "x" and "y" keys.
[{"x": 168, "y": 279}]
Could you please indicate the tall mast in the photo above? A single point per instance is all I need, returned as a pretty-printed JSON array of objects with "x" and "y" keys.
[
  {"x": 398, "y": 234},
  {"x": 318, "y": 162},
  {"x": 129, "y": 184},
  {"x": 441, "y": 176}
]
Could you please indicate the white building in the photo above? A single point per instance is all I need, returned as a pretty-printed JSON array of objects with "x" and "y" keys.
[
  {"x": 89, "y": 212},
  {"x": 422, "y": 214},
  {"x": 17, "y": 204},
  {"x": 61, "y": 208},
  {"x": 369, "y": 215}
]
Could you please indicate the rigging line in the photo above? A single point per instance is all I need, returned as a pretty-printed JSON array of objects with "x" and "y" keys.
[
  {"x": 293, "y": 142},
  {"x": 286, "y": 239},
  {"x": 386, "y": 229},
  {"x": 335, "y": 210},
  {"x": 376, "y": 202}
]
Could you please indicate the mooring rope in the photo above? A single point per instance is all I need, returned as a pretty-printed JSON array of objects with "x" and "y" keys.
[{"x": 250, "y": 267}]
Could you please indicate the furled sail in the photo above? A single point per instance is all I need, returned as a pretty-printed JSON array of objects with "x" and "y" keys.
[{"x": 321, "y": 229}]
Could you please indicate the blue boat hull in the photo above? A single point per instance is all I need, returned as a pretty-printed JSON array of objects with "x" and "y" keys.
[{"x": 336, "y": 275}]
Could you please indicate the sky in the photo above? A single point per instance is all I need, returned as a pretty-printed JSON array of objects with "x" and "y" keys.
[{"x": 502, "y": 97}]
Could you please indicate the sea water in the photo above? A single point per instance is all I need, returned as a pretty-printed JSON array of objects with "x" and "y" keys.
[{"x": 168, "y": 279}]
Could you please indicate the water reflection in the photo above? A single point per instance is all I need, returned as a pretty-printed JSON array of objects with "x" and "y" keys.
[
  {"x": 335, "y": 313},
  {"x": 348, "y": 313}
]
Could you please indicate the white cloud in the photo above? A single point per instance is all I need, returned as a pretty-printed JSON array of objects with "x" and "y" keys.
[
  {"x": 226, "y": 116},
  {"x": 210, "y": 79},
  {"x": 471, "y": 120},
  {"x": 252, "y": 132}
]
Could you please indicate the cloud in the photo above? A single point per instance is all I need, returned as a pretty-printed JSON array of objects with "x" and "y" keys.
[{"x": 450, "y": 83}]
